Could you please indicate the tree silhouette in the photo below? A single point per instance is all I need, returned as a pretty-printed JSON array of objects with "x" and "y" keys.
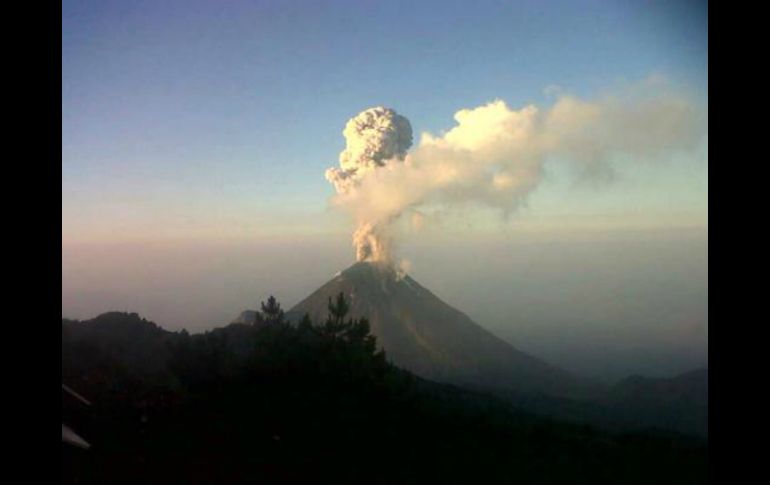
[
  {"x": 336, "y": 325},
  {"x": 238, "y": 386},
  {"x": 339, "y": 309},
  {"x": 272, "y": 312},
  {"x": 358, "y": 334},
  {"x": 305, "y": 323}
]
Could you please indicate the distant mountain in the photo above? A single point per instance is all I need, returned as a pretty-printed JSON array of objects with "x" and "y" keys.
[
  {"x": 116, "y": 336},
  {"x": 679, "y": 403},
  {"x": 249, "y": 317},
  {"x": 690, "y": 387},
  {"x": 662, "y": 405},
  {"x": 424, "y": 335}
]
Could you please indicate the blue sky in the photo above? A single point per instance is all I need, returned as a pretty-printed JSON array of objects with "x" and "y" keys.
[{"x": 178, "y": 117}]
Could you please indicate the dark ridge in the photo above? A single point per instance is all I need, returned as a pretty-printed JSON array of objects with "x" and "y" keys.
[{"x": 278, "y": 403}]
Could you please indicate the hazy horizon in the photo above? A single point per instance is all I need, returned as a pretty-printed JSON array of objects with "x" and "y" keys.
[{"x": 602, "y": 304}]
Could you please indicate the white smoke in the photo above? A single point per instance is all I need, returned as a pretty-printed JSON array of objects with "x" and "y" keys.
[{"x": 495, "y": 155}]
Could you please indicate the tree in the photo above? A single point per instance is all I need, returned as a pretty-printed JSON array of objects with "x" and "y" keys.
[
  {"x": 358, "y": 334},
  {"x": 272, "y": 312},
  {"x": 305, "y": 324},
  {"x": 335, "y": 323},
  {"x": 339, "y": 309}
]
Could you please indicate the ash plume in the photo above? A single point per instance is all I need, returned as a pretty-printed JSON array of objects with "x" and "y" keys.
[
  {"x": 375, "y": 137},
  {"x": 495, "y": 155}
]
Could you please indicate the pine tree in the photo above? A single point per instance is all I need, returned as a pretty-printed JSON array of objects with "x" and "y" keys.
[
  {"x": 335, "y": 323},
  {"x": 272, "y": 312},
  {"x": 305, "y": 323}
]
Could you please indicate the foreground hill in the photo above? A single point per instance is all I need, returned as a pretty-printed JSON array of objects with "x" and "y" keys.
[{"x": 273, "y": 403}]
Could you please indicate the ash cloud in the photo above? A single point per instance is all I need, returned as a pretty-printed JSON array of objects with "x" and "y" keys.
[
  {"x": 495, "y": 155},
  {"x": 375, "y": 137}
]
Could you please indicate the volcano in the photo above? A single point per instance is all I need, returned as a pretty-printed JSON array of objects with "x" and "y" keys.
[{"x": 426, "y": 336}]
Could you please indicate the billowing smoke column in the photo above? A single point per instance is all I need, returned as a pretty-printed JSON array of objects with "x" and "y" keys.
[
  {"x": 375, "y": 137},
  {"x": 495, "y": 155}
]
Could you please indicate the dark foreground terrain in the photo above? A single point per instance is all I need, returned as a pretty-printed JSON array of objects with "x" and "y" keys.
[{"x": 316, "y": 402}]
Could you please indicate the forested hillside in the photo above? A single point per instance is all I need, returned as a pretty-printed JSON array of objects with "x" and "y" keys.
[{"x": 274, "y": 403}]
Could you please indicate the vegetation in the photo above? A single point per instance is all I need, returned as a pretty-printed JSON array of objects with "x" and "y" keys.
[{"x": 275, "y": 403}]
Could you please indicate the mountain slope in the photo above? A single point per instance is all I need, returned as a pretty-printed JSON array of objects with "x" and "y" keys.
[{"x": 423, "y": 334}]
